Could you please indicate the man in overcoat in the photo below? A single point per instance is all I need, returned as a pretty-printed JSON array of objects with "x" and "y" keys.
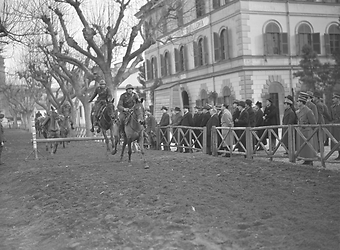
[
  {"x": 150, "y": 129},
  {"x": 335, "y": 116},
  {"x": 289, "y": 118},
  {"x": 197, "y": 123},
  {"x": 271, "y": 118},
  {"x": 187, "y": 121},
  {"x": 242, "y": 121},
  {"x": 165, "y": 121},
  {"x": 305, "y": 117},
  {"x": 259, "y": 123},
  {"x": 213, "y": 121},
  {"x": 176, "y": 121}
]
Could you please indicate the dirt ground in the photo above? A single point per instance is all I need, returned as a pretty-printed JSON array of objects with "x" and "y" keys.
[{"x": 81, "y": 198}]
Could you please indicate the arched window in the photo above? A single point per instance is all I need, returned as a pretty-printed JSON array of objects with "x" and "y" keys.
[
  {"x": 227, "y": 98},
  {"x": 221, "y": 45},
  {"x": 203, "y": 98},
  {"x": 200, "y": 52},
  {"x": 306, "y": 37},
  {"x": 180, "y": 59},
  {"x": 332, "y": 39},
  {"x": 275, "y": 41},
  {"x": 167, "y": 67}
]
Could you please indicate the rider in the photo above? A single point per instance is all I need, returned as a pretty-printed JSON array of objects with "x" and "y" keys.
[
  {"x": 126, "y": 101},
  {"x": 104, "y": 95}
]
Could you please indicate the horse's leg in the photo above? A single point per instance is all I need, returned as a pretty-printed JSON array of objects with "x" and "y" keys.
[
  {"x": 106, "y": 140},
  {"x": 129, "y": 149},
  {"x": 123, "y": 148},
  {"x": 141, "y": 146},
  {"x": 112, "y": 142}
]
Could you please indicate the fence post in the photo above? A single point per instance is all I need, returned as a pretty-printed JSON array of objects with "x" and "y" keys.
[
  {"x": 168, "y": 133},
  {"x": 204, "y": 145},
  {"x": 291, "y": 148},
  {"x": 321, "y": 145},
  {"x": 34, "y": 135},
  {"x": 213, "y": 145},
  {"x": 249, "y": 143},
  {"x": 158, "y": 141}
]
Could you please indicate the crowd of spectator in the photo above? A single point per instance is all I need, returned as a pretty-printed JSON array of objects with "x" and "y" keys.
[{"x": 308, "y": 109}]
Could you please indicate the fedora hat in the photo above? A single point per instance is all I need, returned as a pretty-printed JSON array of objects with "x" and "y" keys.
[
  {"x": 164, "y": 108},
  {"x": 258, "y": 104},
  {"x": 129, "y": 86},
  {"x": 248, "y": 102},
  {"x": 242, "y": 104},
  {"x": 177, "y": 109},
  {"x": 270, "y": 99},
  {"x": 288, "y": 101}
]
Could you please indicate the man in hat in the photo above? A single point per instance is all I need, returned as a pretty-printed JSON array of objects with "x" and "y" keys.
[
  {"x": 335, "y": 118},
  {"x": 259, "y": 123},
  {"x": 205, "y": 115},
  {"x": 2, "y": 139},
  {"x": 126, "y": 101},
  {"x": 150, "y": 128},
  {"x": 305, "y": 117},
  {"x": 213, "y": 121},
  {"x": 104, "y": 95},
  {"x": 235, "y": 111},
  {"x": 271, "y": 118},
  {"x": 187, "y": 121},
  {"x": 289, "y": 118},
  {"x": 197, "y": 119},
  {"x": 165, "y": 121},
  {"x": 176, "y": 121},
  {"x": 251, "y": 112},
  {"x": 227, "y": 122},
  {"x": 309, "y": 97},
  {"x": 242, "y": 121}
]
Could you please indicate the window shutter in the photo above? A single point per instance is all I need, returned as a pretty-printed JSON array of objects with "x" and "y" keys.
[
  {"x": 265, "y": 45},
  {"x": 169, "y": 64},
  {"x": 217, "y": 47},
  {"x": 316, "y": 43},
  {"x": 206, "y": 50},
  {"x": 155, "y": 68},
  {"x": 186, "y": 59},
  {"x": 176, "y": 60},
  {"x": 195, "y": 54},
  {"x": 226, "y": 44},
  {"x": 148, "y": 69},
  {"x": 299, "y": 44},
  {"x": 163, "y": 65},
  {"x": 216, "y": 4},
  {"x": 284, "y": 44},
  {"x": 327, "y": 45}
]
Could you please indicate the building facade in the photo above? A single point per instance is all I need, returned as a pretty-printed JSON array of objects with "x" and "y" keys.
[{"x": 217, "y": 51}]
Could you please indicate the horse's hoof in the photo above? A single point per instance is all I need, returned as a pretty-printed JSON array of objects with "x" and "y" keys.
[{"x": 146, "y": 167}]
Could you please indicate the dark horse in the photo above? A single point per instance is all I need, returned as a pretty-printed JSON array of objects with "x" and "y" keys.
[
  {"x": 66, "y": 125},
  {"x": 108, "y": 121},
  {"x": 53, "y": 129},
  {"x": 134, "y": 130}
]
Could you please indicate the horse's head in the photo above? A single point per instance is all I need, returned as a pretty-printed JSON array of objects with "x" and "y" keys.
[{"x": 138, "y": 111}]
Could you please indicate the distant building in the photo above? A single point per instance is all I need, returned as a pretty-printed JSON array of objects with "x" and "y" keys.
[{"x": 236, "y": 49}]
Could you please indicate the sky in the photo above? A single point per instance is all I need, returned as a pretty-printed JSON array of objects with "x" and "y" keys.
[{"x": 13, "y": 52}]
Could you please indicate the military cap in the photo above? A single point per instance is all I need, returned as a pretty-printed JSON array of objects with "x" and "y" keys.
[{"x": 129, "y": 86}]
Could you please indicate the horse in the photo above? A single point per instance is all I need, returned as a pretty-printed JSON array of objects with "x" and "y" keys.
[
  {"x": 65, "y": 124},
  {"x": 107, "y": 120},
  {"x": 134, "y": 130},
  {"x": 53, "y": 130}
]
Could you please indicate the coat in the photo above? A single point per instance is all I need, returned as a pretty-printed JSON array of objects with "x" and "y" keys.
[
  {"x": 289, "y": 118},
  {"x": 197, "y": 119},
  {"x": 314, "y": 109},
  {"x": 251, "y": 114},
  {"x": 205, "y": 119},
  {"x": 335, "y": 116},
  {"x": 243, "y": 121},
  {"x": 187, "y": 120},
  {"x": 306, "y": 117},
  {"x": 150, "y": 123},
  {"x": 1, "y": 134},
  {"x": 213, "y": 121},
  {"x": 165, "y": 120},
  {"x": 227, "y": 121},
  {"x": 271, "y": 118}
]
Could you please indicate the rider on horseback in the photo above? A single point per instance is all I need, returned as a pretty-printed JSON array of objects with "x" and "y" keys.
[
  {"x": 126, "y": 101},
  {"x": 104, "y": 95}
]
